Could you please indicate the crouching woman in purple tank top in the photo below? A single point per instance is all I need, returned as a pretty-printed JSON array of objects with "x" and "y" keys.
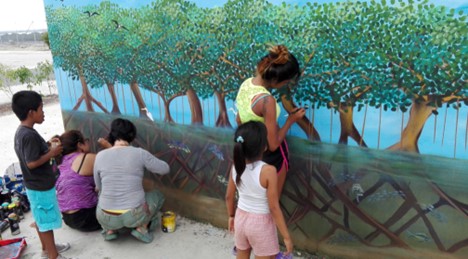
[{"x": 76, "y": 190}]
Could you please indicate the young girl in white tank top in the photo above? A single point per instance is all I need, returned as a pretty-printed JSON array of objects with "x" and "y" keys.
[{"x": 253, "y": 222}]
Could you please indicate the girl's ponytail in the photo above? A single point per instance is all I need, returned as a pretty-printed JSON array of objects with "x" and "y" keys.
[
  {"x": 239, "y": 161},
  {"x": 251, "y": 142}
]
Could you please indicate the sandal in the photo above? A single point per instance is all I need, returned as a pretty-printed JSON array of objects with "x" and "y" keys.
[
  {"x": 109, "y": 235},
  {"x": 153, "y": 224},
  {"x": 145, "y": 237}
]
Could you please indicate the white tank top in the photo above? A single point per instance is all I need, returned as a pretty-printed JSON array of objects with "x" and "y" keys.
[{"x": 252, "y": 195}]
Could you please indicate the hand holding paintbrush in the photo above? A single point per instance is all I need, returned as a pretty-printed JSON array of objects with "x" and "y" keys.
[{"x": 56, "y": 148}]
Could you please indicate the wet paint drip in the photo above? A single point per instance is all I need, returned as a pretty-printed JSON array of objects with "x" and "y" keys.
[{"x": 168, "y": 222}]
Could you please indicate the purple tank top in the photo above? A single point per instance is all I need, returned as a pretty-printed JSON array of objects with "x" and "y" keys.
[{"x": 74, "y": 191}]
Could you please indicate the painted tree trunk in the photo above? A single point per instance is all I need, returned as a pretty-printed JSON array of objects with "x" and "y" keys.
[
  {"x": 195, "y": 107},
  {"x": 139, "y": 99},
  {"x": 115, "y": 105},
  {"x": 348, "y": 129},
  {"x": 85, "y": 96},
  {"x": 223, "y": 119},
  {"x": 419, "y": 113},
  {"x": 305, "y": 124},
  {"x": 167, "y": 113}
]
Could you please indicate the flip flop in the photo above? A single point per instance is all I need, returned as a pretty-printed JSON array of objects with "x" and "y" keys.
[
  {"x": 146, "y": 237},
  {"x": 154, "y": 224},
  {"x": 110, "y": 237}
]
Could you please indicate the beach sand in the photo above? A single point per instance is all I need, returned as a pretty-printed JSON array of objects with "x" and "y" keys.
[{"x": 191, "y": 239}]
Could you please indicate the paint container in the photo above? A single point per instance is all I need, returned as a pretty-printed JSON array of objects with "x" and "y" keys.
[
  {"x": 4, "y": 225},
  {"x": 168, "y": 222},
  {"x": 13, "y": 209},
  {"x": 5, "y": 196},
  {"x": 19, "y": 211},
  {"x": 14, "y": 225},
  {"x": 5, "y": 209}
]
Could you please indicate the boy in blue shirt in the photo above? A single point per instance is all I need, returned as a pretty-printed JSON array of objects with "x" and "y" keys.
[{"x": 39, "y": 170}]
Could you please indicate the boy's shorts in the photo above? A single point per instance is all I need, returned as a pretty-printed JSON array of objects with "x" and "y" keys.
[{"x": 45, "y": 209}]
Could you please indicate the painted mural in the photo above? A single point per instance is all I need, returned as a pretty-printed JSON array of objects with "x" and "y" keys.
[{"x": 378, "y": 163}]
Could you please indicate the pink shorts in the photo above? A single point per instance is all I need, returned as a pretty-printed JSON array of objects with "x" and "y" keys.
[{"x": 256, "y": 231}]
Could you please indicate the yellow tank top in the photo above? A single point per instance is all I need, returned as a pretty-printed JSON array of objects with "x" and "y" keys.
[{"x": 246, "y": 94}]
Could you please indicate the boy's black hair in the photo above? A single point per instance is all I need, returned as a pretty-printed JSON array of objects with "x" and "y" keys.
[
  {"x": 122, "y": 129},
  {"x": 251, "y": 142},
  {"x": 24, "y": 101}
]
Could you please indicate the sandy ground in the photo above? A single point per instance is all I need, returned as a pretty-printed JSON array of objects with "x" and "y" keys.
[
  {"x": 190, "y": 240},
  {"x": 27, "y": 58}
]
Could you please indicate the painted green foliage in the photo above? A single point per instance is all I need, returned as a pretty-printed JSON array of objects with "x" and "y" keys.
[{"x": 397, "y": 56}]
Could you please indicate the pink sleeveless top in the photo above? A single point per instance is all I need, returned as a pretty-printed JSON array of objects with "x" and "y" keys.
[{"x": 74, "y": 191}]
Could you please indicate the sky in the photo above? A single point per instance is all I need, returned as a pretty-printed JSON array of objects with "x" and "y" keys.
[
  {"x": 22, "y": 14},
  {"x": 26, "y": 15}
]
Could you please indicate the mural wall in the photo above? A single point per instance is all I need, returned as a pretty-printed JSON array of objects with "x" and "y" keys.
[{"x": 378, "y": 163}]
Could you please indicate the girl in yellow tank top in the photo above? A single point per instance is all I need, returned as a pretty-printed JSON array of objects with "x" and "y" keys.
[{"x": 255, "y": 103}]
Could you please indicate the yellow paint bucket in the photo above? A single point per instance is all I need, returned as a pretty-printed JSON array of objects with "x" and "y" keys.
[{"x": 168, "y": 222}]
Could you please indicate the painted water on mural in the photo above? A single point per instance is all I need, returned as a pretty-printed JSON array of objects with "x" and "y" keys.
[{"x": 376, "y": 76}]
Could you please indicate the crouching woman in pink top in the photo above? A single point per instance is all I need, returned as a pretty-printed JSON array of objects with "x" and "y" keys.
[{"x": 76, "y": 191}]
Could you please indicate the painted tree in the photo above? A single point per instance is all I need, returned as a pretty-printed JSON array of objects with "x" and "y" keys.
[
  {"x": 239, "y": 30},
  {"x": 132, "y": 52},
  {"x": 426, "y": 51},
  {"x": 102, "y": 66},
  {"x": 294, "y": 28},
  {"x": 181, "y": 55},
  {"x": 155, "y": 77},
  {"x": 70, "y": 48}
]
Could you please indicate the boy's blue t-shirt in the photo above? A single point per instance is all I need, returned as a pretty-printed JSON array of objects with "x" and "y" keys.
[{"x": 29, "y": 147}]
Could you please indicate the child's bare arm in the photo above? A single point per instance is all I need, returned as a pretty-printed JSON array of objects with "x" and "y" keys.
[
  {"x": 273, "y": 201},
  {"x": 54, "y": 150},
  {"x": 230, "y": 202}
]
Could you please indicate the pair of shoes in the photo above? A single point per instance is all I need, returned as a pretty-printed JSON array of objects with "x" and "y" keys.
[
  {"x": 61, "y": 247},
  {"x": 146, "y": 237},
  {"x": 110, "y": 236}
]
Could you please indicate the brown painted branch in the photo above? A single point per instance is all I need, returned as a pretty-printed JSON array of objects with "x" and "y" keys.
[
  {"x": 457, "y": 246},
  {"x": 446, "y": 197},
  {"x": 314, "y": 193},
  {"x": 332, "y": 222},
  {"x": 78, "y": 103},
  {"x": 362, "y": 215},
  {"x": 411, "y": 198},
  {"x": 99, "y": 104}
]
